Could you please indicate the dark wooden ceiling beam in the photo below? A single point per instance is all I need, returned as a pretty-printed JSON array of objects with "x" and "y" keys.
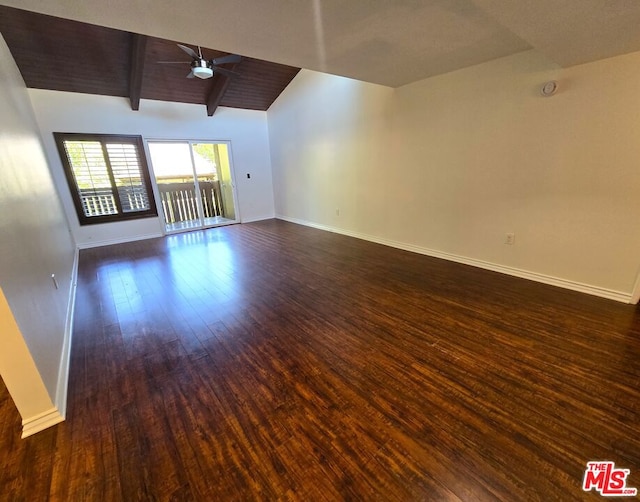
[
  {"x": 138, "y": 49},
  {"x": 220, "y": 85}
]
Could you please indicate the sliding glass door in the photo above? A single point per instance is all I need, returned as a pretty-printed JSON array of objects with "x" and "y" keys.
[{"x": 195, "y": 183}]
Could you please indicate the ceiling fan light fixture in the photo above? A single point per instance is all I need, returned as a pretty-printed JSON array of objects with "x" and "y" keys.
[{"x": 202, "y": 72}]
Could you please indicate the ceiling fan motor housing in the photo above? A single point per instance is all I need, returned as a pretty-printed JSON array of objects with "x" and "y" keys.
[{"x": 201, "y": 68}]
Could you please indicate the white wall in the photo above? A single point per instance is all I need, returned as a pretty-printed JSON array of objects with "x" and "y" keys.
[
  {"x": 331, "y": 152},
  {"x": 448, "y": 165},
  {"x": 34, "y": 243},
  {"x": 247, "y": 130}
]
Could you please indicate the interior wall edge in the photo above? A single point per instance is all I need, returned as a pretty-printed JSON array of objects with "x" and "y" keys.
[
  {"x": 609, "y": 294},
  {"x": 62, "y": 387},
  {"x": 635, "y": 295}
]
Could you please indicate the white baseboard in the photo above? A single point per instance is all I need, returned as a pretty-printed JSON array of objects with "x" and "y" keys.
[
  {"x": 65, "y": 358},
  {"x": 109, "y": 242},
  {"x": 41, "y": 422},
  {"x": 258, "y": 218},
  {"x": 503, "y": 269}
]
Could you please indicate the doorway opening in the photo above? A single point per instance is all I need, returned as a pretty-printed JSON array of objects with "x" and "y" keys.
[{"x": 195, "y": 184}]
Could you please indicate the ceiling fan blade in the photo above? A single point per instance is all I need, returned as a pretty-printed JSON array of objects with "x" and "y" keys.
[
  {"x": 189, "y": 51},
  {"x": 224, "y": 71},
  {"x": 231, "y": 58},
  {"x": 191, "y": 75}
]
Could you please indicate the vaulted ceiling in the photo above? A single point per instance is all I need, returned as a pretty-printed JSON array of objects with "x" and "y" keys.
[
  {"x": 64, "y": 55},
  {"x": 385, "y": 42}
]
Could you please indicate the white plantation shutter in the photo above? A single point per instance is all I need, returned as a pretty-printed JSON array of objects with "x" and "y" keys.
[
  {"x": 92, "y": 177},
  {"x": 107, "y": 176},
  {"x": 127, "y": 173}
]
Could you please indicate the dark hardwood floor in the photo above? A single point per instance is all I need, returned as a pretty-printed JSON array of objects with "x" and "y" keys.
[{"x": 271, "y": 361}]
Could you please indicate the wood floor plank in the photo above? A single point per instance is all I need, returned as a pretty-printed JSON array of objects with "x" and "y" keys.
[
  {"x": 20, "y": 459},
  {"x": 271, "y": 361}
]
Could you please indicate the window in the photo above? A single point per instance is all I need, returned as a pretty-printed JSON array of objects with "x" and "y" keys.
[{"x": 107, "y": 176}]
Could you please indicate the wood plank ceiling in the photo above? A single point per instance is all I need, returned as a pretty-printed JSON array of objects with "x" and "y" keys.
[{"x": 64, "y": 55}]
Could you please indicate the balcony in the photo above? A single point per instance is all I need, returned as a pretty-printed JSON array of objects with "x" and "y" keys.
[{"x": 178, "y": 200}]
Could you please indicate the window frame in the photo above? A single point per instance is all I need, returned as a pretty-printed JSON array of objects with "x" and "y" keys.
[{"x": 145, "y": 177}]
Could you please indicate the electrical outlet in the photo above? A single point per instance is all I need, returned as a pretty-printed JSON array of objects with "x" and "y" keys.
[{"x": 510, "y": 239}]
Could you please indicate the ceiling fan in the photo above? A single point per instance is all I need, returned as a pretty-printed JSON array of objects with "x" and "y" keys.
[{"x": 205, "y": 68}]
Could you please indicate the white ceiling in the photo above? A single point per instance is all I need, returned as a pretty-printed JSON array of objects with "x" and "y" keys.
[{"x": 389, "y": 42}]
